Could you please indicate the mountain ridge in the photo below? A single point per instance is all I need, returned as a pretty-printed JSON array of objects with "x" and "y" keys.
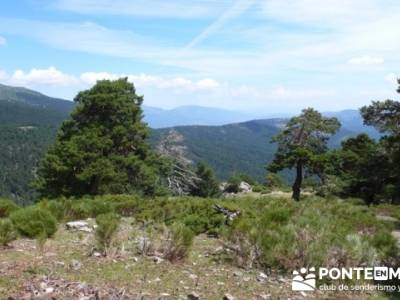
[{"x": 236, "y": 147}]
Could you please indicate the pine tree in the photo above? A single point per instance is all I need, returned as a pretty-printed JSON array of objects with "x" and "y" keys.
[
  {"x": 304, "y": 137},
  {"x": 102, "y": 147},
  {"x": 207, "y": 184}
]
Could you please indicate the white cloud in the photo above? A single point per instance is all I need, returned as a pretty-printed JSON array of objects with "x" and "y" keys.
[
  {"x": 53, "y": 77},
  {"x": 49, "y": 76},
  {"x": 2, "y": 41},
  {"x": 88, "y": 37},
  {"x": 366, "y": 60},
  {"x": 178, "y": 84},
  {"x": 153, "y": 8}
]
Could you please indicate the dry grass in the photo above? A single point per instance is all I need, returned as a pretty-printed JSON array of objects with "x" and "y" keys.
[{"x": 127, "y": 275}]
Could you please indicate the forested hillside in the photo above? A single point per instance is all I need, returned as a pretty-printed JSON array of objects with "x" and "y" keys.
[
  {"x": 21, "y": 150},
  {"x": 243, "y": 147},
  {"x": 29, "y": 121}
]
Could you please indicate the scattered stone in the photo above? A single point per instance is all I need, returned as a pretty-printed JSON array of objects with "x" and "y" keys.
[
  {"x": 135, "y": 259},
  {"x": 220, "y": 283},
  {"x": 262, "y": 277},
  {"x": 193, "y": 276},
  {"x": 237, "y": 274},
  {"x": 193, "y": 296},
  {"x": 281, "y": 279},
  {"x": 303, "y": 294},
  {"x": 264, "y": 296},
  {"x": 246, "y": 279},
  {"x": 219, "y": 249},
  {"x": 49, "y": 290},
  {"x": 165, "y": 295},
  {"x": 97, "y": 254},
  {"x": 157, "y": 259},
  {"x": 244, "y": 187},
  {"x": 79, "y": 225},
  {"x": 228, "y": 297},
  {"x": 75, "y": 265}
]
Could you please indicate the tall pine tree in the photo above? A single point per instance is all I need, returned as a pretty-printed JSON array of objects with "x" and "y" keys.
[
  {"x": 303, "y": 138},
  {"x": 102, "y": 147}
]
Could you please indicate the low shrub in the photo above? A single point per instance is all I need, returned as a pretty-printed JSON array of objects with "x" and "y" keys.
[
  {"x": 55, "y": 207},
  {"x": 34, "y": 221},
  {"x": 107, "y": 226},
  {"x": 287, "y": 235},
  {"x": 180, "y": 242},
  {"x": 7, "y": 207},
  {"x": 7, "y": 232}
]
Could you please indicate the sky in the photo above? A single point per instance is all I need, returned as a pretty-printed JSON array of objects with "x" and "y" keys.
[{"x": 265, "y": 56}]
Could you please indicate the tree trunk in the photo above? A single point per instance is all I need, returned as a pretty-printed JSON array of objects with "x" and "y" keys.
[{"x": 297, "y": 183}]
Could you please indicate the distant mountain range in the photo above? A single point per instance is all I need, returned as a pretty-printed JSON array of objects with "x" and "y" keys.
[{"x": 29, "y": 120}]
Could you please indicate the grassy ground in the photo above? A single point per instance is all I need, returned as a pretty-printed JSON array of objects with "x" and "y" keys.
[{"x": 67, "y": 269}]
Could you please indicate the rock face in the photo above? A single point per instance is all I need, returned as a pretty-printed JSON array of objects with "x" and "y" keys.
[
  {"x": 244, "y": 187},
  {"x": 79, "y": 225}
]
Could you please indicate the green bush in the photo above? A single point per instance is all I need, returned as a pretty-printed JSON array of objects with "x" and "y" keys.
[
  {"x": 283, "y": 234},
  {"x": 107, "y": 226},
  {"x": 7, "y": 207},
  {"x": 34, "y": 221},
  {"x": 180, "y": 242},
  {"x": 7, "y": 232},
  {"x": 274, "y": 181},
  {"x": 55, "y": 207}
]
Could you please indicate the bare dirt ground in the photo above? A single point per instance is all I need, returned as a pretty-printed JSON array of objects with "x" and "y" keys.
[{"x": 67, "y": 269}]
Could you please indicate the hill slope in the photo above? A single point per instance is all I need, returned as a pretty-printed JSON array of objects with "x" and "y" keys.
[
  {"x": 29, "y": 121},
  {"x": 243, "y": 147},
  {"x": 23, "y": 107}
]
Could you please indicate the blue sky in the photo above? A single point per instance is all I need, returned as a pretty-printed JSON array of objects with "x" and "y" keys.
[{"x": 265, "y": 56}]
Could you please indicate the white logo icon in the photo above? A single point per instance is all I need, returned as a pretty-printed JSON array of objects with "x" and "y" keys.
[{"x": 304, "y": 281}]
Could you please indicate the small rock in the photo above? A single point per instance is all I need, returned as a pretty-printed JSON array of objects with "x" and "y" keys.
[
  {"x": 78, "y": 225},
  {"x": 193, "y": 296},
  {"x": 265, "y": 296},
  {"x": 246, "y": 279},
  {"x": 262, "y": 277},
  {"x": 165, "y": 295},
  {"x": 303, "y": 294},
  {"x": 220, "y": 283},
  {"x": 237, "y": 274},
  {"x": 75, "y": 265},
  {"x": 244, "y": 187},
  {"x": 96, "y": 254},
  {"x": 193, "y": 276},
  {"x": 219, "y": 249},
  {"x": 157, "y": 259},
  {"x": 82, "y": 286},
  {"x": 49, "y": 290},
  {"x": 135, "y": 259},
  {"x": 43, "y": 286},
  {"x": 228, "y": 297},
  {"x": 157, "y": 279}
]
